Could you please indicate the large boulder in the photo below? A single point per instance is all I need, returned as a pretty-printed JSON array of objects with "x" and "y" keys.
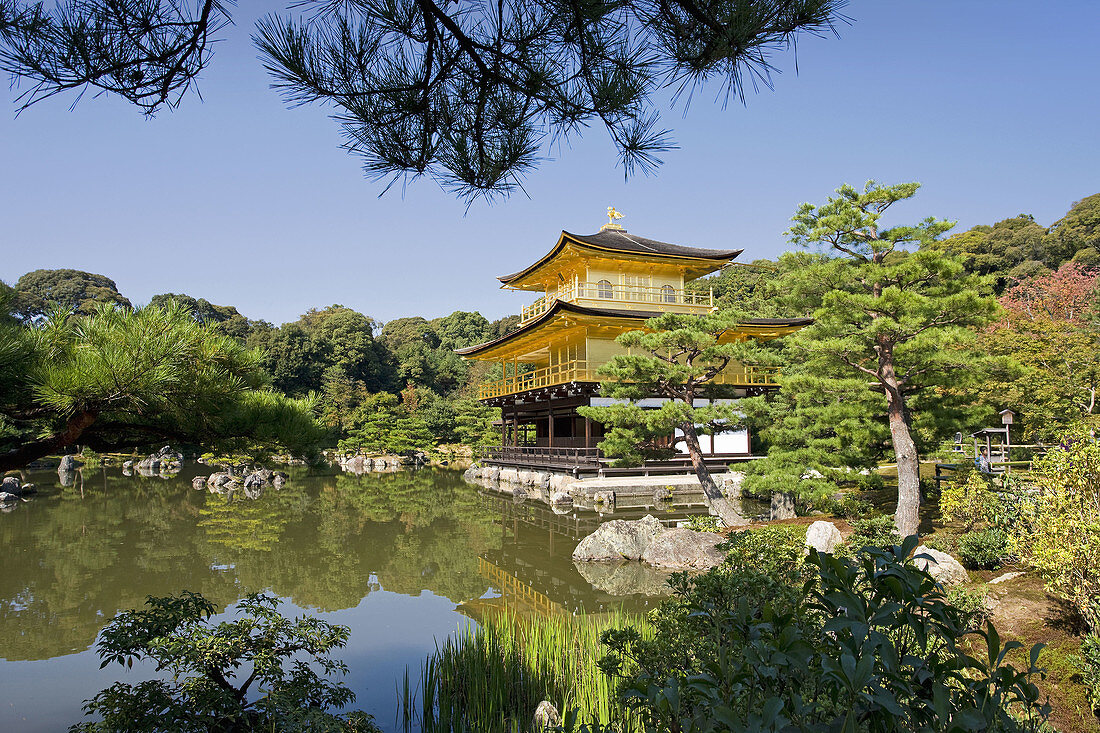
[
  {"x": 684, "y": 549},
  {"x": 11, "y": 485},
  {"x": 68, "y": 463},
  {"x": 823, "y": 537},
  {"x": 946, "y": 570},
  {"x": 217, "y": 480},
  {"x": 254, "y": 480},
  {"x": 619, "y": 540}
]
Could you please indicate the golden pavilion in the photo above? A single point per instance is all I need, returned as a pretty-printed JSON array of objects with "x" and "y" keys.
[{"x": 592, "y": 288}]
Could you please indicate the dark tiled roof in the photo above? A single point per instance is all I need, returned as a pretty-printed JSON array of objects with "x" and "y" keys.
[
  {"x": 620, "y": 240},
  {"x": 562, "y": 305}
]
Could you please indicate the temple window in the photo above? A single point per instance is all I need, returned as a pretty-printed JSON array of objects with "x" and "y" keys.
[
  {"x": 668, "y": 294},
  {"x": 604, "y": 289}
]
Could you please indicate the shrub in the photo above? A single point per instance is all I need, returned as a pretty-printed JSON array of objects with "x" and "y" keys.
[
  {"x": 983, "y": 548},
  {"x": 777, "y": 551},
  {"x": 972, "y": 602},
  {"x": 873, "y": 645},
  {"x": 205, "y": 693},
  {"x": 969, "y": 501},
  {"x": 1090, "y": 655},
  {"x": 848, "y": 506},
  {"x": 874, "y": 532},
  {"x": 704, "y": 523},
  {"x": 1059, "y": 528}
]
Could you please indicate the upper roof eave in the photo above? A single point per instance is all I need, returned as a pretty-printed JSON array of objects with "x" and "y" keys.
[{"x": 620, "y": 241}]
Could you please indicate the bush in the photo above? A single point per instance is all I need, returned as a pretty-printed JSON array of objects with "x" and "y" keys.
[
  {"x": 204, "y": 693},
  {"x": 874, "y": 532},
  {"x": 1090, "y": 654},
  {"x": 873, "y": 645},
  {"x": 1058, "y": 532},
  {"x": 704, "y": 523},
  {"x": 775, "y": 550},
  {"x": 848, "y": 506},
  {"x": 983, "y": 548},
  {"x": 972, "y": 602},
  {"x": 969, "y": 501}
]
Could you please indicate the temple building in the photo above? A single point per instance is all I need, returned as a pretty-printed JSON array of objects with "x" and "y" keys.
[{"x": 592, "y": 288}]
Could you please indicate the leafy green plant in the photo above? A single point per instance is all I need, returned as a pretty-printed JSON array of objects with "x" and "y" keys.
[
  {"x": 968, "y": 499},
  {"x": 983, "y": 548},
  {"x": 1058, "y": 532},
  {"x": 776, "y": 550},
  {"x": 873, "y": 532},
  {"x": 704, "y": 523},
  {"x": 290, "y": 665},
  {"x": 1090, "y": 655},
  {"x": 971, "y": 601},
  {"x": 849, "y": 506},
  {"x": 871, "y": 645}
]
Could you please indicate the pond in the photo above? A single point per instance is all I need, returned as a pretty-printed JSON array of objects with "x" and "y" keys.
[{"x": 401, "y": 558}]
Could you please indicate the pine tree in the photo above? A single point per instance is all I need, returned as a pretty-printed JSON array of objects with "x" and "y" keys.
[{"x": 902, "y": 322}]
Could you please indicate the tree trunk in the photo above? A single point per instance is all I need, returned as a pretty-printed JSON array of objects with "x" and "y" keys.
[
  {"x": 726, "y": 510},
  {"x": 24, "y": 454},
  {"x": 906, "y": 518}
]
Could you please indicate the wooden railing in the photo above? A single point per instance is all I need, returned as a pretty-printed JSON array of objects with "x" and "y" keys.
[
  {"x": 579, "y": 371},
  {"x": 544, "y": 455},
  {"x": 615, "y": 294}
]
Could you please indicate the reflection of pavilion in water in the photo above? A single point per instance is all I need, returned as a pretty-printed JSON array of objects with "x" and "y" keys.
[{"x": 533, "y": 571}]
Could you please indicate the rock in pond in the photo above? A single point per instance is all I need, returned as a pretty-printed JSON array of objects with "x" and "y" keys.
[
  {"x": 198, "y": 483},
  {"x": 11, "y": 485},
  {"x": 619, "y": 540},
  {"x": 68, "y": 463},
  {"x": 546, "y": 717},
  {"x": 946, "y": 570},
  {"x": 823, "y": 537}
]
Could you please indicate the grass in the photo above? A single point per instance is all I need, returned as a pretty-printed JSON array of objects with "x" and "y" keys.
[{"x": 490, "y": 678}]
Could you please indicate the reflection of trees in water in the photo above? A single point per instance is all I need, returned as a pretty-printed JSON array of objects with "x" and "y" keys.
[{"x": 73, "y": 562}]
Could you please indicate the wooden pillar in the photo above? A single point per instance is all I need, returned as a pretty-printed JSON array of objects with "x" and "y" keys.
[
  {"x": 503, "y": 428},
  {"x": 587, "y": 433},
  {"x": 550, "y": 423},
  {"x": 515, "y": 425}
]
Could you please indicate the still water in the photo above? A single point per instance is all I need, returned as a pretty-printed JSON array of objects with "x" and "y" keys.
[{"x": 402, "y": 559}]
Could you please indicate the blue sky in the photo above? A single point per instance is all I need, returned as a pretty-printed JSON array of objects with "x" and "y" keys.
[{"x": 991, "y": 105}]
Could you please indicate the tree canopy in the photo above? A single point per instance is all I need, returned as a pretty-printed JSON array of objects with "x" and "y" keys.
[
  {"x": 470, "y": 95},
  {"x": 120, "y": 378},
  {"x": 40, "y": 291}
]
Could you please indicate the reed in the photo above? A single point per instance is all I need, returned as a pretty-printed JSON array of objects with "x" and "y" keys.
[{"x": 490, "y": 678}]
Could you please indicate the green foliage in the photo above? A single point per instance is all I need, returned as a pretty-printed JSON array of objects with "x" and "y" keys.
[
  {"x": 775, "y": 550},
  {"x": 1090, "y": 653},
  {"x": 290, "y": 665},
  {"x": 848, "y": 506},
  {"x": 871, "y": 645},
  {"x": 1076, "y": 235},
  {"x": 490, "y": 678},
  {"x": 384, "y": 424},
  {"x": 1058, "y": 532},
  {"x": 43, "y": 291},
  {"x": 875, "y": 532},
  {"x": 972, "y": 602},
  {"x": 704, "y": 523},
  {"x": 1010, "y": 248},
  {"x": 224, "y": 318},
  {"x": 121, "y": 378},
  {"x": 983, "y": 548},
  {"x": 968, "y": 499}
]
